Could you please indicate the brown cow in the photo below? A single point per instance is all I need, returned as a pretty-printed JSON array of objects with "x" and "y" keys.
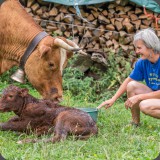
[
  {"x": 41, "y": 116},
  {"x": 47, "y": 60}
]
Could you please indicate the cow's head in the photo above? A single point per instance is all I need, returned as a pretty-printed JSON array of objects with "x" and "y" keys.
[{"x": 45, "y": 66}]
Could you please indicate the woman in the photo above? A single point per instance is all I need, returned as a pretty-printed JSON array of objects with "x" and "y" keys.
[{"x": 141, "y": 97}]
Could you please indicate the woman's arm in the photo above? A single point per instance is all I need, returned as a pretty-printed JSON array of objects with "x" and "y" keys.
[{"x": 122, "y": 89}]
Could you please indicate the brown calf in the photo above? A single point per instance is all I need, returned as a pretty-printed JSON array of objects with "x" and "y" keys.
[{"x": 44, "y": 116}]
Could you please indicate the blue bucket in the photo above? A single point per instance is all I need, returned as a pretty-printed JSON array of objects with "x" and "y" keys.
[{"x": 93, "y": 112}]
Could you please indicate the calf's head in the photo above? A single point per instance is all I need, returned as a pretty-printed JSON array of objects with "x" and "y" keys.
[
  {"x": 45, "y": 66},
  {"x": 12, "y": 99}
]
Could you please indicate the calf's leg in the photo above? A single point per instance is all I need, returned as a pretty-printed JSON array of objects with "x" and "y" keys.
[
  {"x": 56, "y": 138},
  {"x": 15, "y": 126},
  {"x": 60, "y": 133}
]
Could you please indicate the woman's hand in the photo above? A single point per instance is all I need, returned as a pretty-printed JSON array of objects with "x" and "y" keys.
[
  {"x": 130, "y": 102},
  {"x": 107, "y": 103}
]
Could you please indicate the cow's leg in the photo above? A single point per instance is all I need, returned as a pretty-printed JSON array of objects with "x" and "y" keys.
[{"x": 19, "y": 126}]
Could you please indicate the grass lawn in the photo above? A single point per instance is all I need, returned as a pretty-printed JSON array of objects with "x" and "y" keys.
[{"x": 116, "y": 140}]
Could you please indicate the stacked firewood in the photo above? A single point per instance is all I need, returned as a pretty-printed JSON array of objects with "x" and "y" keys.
[{"x": 98, "y": 29}]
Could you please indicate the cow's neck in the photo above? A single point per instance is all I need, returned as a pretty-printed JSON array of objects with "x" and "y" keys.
[
  {"x": 17, "y": 32},
  {"x": 33, "y": 44}
]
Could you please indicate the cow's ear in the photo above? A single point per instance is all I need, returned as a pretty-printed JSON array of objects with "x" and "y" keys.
[
  {"x": 43, "y": 49},
  {"x": 24, "y": 92}
]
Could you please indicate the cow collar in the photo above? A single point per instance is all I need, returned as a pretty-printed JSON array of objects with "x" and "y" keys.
[
  {"x": 1, "y": 1},
  {"x": 31, "y": 48}
]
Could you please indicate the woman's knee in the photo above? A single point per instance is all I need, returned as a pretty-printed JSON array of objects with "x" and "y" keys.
[
  {"x": 145, "y": 107},
  {"x": 132, "y": 87},
  {"x": 135, "y": 88}
]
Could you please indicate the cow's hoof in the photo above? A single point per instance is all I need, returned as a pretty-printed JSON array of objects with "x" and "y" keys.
[{"x": 19, "y": 142}]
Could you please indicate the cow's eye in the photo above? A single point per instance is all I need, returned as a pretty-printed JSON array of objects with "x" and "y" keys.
[{"x": 51, "y": 65}]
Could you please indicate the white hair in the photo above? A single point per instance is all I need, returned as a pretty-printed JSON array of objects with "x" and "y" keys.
[{"x": 149, "y": 38}]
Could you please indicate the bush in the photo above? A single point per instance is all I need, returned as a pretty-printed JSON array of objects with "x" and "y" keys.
[{"x": 79, "y": 85}]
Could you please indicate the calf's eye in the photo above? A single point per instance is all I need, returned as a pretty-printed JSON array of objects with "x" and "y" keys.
[{"x": 10, "y": 96}]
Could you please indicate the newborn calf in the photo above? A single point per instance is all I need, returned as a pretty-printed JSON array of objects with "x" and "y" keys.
[{"x": 44, "y": 116}]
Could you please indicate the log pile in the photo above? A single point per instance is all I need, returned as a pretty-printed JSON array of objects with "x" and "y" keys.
[{"x": 101, "y": 28}]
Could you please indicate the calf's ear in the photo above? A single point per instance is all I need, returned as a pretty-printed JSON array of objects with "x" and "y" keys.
[
  {"x": 43, "y": 49},
  {"x": 24, "y": 92}
]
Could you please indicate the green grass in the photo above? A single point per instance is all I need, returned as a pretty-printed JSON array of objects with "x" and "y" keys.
[{"x": 116, "y": 140}]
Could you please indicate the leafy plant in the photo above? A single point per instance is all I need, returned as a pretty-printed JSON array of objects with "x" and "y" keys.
[{"x": 80, "y": 85}]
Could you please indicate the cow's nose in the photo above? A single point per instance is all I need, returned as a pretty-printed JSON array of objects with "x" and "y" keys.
[
  {"x": 60, "y": 99},
  {"x": 54, "y": 90},
  {"x": 55, "y": 94},
  {"x": 57, "y": 100}
]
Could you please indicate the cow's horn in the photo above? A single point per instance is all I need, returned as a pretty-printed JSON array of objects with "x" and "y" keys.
[
  {"x": 18, "y": 76},
  {"x": 75, "y": 45},
  {"x": 61, "y": 43}
]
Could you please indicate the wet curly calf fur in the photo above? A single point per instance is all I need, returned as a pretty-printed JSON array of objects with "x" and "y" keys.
[{"x": 44, "y": 116}]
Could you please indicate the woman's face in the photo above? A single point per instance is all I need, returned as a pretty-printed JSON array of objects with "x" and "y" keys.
[{"x": 142, "y": 50}]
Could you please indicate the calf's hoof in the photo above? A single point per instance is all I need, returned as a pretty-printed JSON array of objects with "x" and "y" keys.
[{"x": 27, "y": 141}]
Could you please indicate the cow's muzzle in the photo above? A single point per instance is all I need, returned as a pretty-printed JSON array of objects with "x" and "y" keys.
[{"x": 53, "y": 95}]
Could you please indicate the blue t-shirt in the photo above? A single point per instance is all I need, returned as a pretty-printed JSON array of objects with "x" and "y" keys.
[{"x": 145, "y": 70}]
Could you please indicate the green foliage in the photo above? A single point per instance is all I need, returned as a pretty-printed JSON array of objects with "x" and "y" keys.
[
  {"x": 5, "y": 77},
  {"x": 76, "y": 83},
  {"x": 79, "y": 85},
  {"x": 119, "y": 68}
]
